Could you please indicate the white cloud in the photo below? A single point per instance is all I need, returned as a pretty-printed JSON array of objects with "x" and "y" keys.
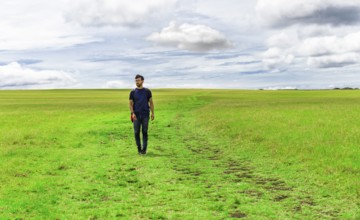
[
  {"x": 319, "y": 52},
  {"x": 38, "y": 24},
  {"x": 283, "y": 39},
  {"x": 118, "y": 12},
  {"x": 228, "y": 12},
  {"x": 13, "y": 76},
  {"x": 116, "y": 84},
  {"x": 276, "y": 58},
  {"x": 337, "y": 60},
  {"x": 15, "y": 38},
  {"x": 280, "y": 88},
  {"x": 330, "y": 45},
  {"x": 191, "y": 37},
  {"x": 317, "y": 34}
]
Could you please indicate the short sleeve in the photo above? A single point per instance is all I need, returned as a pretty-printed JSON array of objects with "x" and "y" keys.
[
  {"x": 149, "y": 94},
  {"x": 131, "y": 97}
]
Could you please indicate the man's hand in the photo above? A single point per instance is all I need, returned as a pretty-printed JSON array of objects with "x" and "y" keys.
[
  {"x": 152, "y": 117},
  {"x": 133, "y": 117}
]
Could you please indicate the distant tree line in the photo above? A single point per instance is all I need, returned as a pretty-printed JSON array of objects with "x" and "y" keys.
[
  {"x": 336, "y": 88},
  {"x": 345, "y": 88}
]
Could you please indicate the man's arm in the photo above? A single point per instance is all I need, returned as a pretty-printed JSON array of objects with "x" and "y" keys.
[
  {"x": 131, "y": 106},
  {"x": 152, "y": 108},
  {"x": 131, "y": 102}
]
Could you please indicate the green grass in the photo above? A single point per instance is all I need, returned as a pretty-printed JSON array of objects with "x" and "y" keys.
[{"x": 212, "y": 154}]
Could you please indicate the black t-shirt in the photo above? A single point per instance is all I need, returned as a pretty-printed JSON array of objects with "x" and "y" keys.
[{"x": 141, "y": 99}]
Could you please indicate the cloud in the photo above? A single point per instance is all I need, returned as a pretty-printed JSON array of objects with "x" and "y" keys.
[
  {"x": 276, "y": 58},
  {"x": 318, "y": 46},
  {"x": 283, "y": 39},
  {"x": 337, "y": 60},
  {"x": 117, "y": 84},
  {"x": 281, "y": 13},
  {"x": 318, "y": 52},
  {"x": 280, "y": 88},
  {"x": 13, "y": 76},
  {"x": 198, "y": 38},
  {"x": 38, "y": 24},
  {"x": 239, "y": 63},
  {"x": 317, "y": 34},
  {"x": 28, "y": 61},
  {"x": 127, "y": 13},
  {"x": 36, "y": 39},
  {"x": 310, "y": 43}
]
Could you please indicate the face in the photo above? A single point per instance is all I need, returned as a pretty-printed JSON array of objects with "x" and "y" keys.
[{"x": 139, "y": 82}]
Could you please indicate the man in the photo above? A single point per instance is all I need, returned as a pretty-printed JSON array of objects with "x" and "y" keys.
[{"x": 141, "y": 103}]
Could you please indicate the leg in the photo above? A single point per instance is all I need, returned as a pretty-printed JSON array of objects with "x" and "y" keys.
[
  {"x": 145, "y": 125},
  {"x": 137, "y": 124}
]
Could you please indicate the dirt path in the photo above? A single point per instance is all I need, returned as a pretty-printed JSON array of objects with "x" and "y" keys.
[{"x": 214, "y": 169}]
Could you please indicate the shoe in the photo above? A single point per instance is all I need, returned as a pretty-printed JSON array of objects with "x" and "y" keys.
[{"x": 143, "y": 152}]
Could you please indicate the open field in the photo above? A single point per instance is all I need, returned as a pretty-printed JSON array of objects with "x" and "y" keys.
[{"x": 212, "y": 154}]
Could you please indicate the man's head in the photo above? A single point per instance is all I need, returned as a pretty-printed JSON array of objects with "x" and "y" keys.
[{"x": 139, "y": 80}]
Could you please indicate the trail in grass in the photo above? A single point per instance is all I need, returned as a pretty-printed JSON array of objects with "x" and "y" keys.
[
  {"x": 208, "y": 180},
  {"x": 229, "y": 184},
  {"x": 185, "y": 175},
  {"x": 83, "y": 164}
]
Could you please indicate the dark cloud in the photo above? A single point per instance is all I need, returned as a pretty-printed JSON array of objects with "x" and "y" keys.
[
  {"x": 175, "y": 53},
  {"x": 226, "y": 56},
  {"x": 28, "y": 61},
  {"x": 19, "y": 84},
  {"x": 240, "y": 63},
  {"x": 331, "y": 15},
  {"x": 334, "y": 61},
  {"x": 335, "y": 64},
  {"x": 186, "y": 68},
  {"x": 253, "y": 72},
  {"x": 187, "y": 15},
  {"x": 133, "y": 60}
]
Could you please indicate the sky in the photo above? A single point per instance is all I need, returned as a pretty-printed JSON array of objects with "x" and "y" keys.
[{"x": 228, "y": 44}]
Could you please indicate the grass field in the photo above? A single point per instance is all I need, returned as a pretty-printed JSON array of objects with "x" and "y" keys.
[{"x": 212, "y": 154}]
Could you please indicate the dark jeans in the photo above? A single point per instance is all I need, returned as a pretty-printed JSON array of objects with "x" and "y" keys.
[{"x": 141, "y": 121}]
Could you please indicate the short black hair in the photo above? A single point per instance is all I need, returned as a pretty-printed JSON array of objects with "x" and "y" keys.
[{"x": 139, "y": 76}]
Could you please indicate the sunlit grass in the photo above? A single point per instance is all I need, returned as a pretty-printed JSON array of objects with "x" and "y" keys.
[{"x": 213, "y": 154}]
